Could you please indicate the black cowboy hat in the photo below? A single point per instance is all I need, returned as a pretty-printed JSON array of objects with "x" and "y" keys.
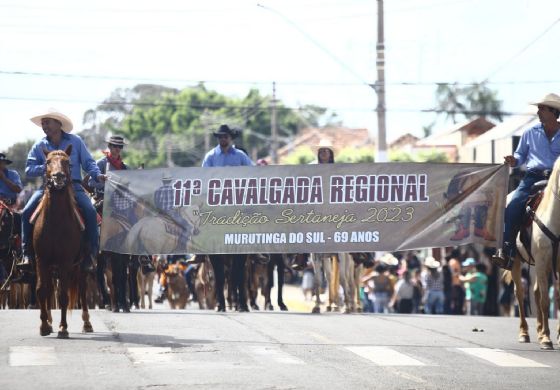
[
  {"x": 116, "y": 140},
  {"x": 225, "y": 129},
  {"x": 3, "y": 158}
]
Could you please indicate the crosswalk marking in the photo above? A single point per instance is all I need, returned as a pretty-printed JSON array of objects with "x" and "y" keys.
[
  {"x": 274, "y": 354},
  {"x": 384, "y": 356},
  {"x": 501, "y": 358},
  {"x": 150, "y": 355},
  {"x": 31, "y": 356}
]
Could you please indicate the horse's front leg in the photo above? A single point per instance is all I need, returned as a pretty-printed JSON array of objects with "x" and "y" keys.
[
  {"x": 519, "y": 294},
  {"x": 317, "y": 274},
  {"x": 82, "y": 286},
  {"x": 63, "y": 301},
  {"x": 542, "y": 303},
  {"x": 44, "y": 288}
]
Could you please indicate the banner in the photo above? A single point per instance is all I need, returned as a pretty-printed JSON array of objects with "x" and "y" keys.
[{"x": 303, "y": 208}]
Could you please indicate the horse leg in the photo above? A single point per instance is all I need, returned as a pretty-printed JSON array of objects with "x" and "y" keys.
[
  {"x": 44, "y": 288},
  {"x": 543, "y": 302},
  {"x": 356, "y": 288},
  {"x": 317, "y": 276},
  {"x": 268, "y": 284},
  {"x": 519, "y": 294},
  {"x": 82, "y": 290},
  {"x": 280, "y": 270},
  {"x": 63, "y": 301}
]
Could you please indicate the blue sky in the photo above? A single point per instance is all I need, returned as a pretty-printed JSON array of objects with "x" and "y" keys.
[{"x": 236, "y": 45}]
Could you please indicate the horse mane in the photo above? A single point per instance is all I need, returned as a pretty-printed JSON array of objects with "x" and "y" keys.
[{"x": 548, "y": 194}]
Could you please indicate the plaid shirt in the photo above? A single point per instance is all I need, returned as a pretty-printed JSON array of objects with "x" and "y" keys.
[
  {"x": 433, "y": 282},
  {"x": 163, "y": 198},
  {"x": 121, "y": 202}
]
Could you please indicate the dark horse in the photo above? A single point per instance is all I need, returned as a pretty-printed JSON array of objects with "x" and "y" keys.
[{"x": 57, "y": 244}]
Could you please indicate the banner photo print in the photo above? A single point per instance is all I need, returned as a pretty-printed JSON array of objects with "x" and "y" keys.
[{"x": 303, "y": 208}]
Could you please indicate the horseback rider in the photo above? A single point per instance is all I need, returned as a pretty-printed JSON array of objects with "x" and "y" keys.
[
  {"x": 10, "y": 182},
  {"x": 538, "y": 149},
  {"x": 112, "y": 161},
  {"x": 57, "y": 128}
]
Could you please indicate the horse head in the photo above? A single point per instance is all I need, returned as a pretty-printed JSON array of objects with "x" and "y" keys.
[
  {"x": 57, "y": 171},
  {"x": 192, "y": 215}
]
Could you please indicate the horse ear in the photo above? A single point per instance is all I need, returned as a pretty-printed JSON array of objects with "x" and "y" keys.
[
  {"x": 68, "y": 150},
  {"x": 45, "y": 152}
]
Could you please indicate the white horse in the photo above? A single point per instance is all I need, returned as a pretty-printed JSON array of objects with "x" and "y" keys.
[
  {"x": 548, "y": 213},
  {"x": 339, "y": 270},
  {"x": 151, "y": 234}
]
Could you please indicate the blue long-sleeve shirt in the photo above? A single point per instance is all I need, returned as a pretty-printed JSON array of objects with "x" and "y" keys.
[
  {"x": 5, "y": 191},
  {"x": 535, "y": 150},
  {"x": 80, "y": 158},
  {"x": 232, "y": 158}
]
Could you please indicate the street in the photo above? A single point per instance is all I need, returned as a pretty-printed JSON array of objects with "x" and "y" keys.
[{"x": 165, "y": 349}]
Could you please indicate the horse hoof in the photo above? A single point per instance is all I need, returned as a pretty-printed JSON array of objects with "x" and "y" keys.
[
  {"x": 547, "y": 346},
  {"x": 45, "y": 331},
  {"x": 316, "y": 310},
  {"x": 269, "y": 307},
  {"x": 524, "y": 339},
  {"x": 62, "y": 334},
  {"x": 336, "y": 309},
  {"x": 255, "y": 307},
  {"x": 87, "y": 328},
  {"x": 329, "y": 309}
]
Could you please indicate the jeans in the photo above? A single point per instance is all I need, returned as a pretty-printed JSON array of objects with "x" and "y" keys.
[
  {"x": 85, "y": 206},
  {"x": 515, "y": 209},
  {"x": 434, "y": 302},
  {"x": 381, "y": 302}
]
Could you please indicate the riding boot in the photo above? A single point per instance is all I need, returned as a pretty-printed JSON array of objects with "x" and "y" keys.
[
  {"x": 27, "y": 262},
  {"x": 504, "y": 257}
]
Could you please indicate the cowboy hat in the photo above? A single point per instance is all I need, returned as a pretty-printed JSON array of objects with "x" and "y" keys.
[
  {"x": 430, "y": 262},
  {"x": 325, "y": 144},
  {"x": 389, "y": 259},
  {"x": 116, "y": 140},
  {"x": 51, "y": 113},
  {"x": 166, "y": 176},
  {"x": 550, "y": 100},
  {"x": 5, "y": 159},
  {"x": 225, "y": 129}
]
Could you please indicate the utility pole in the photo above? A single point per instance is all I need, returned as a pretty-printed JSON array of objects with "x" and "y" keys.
[
  {"x": 380, "y": 87},
  {"x": 273, "y": 127}
]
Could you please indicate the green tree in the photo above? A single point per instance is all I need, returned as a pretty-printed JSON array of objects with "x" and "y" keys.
[
  {"x": 18, "y": 154},
  {"x": 167, "y": 127},
  {"x": 467, "y": 101}
]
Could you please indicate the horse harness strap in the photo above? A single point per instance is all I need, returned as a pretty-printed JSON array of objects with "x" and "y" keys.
[{"x": 555, "y": 239}]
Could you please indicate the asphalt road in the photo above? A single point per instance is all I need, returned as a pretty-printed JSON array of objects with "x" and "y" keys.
[{"x": 165, "y": 349}]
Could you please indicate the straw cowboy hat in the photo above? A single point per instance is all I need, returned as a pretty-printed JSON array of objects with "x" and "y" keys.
[
  {"x": 166, "y": 176},
  {"x": 116, "y": 140},
  {"x": 325, "y": 144},
  {"x": 430, "y": 262},
  {"x": 225, "y": 129},
  {"x": 67, "y": 125},
  {"x": 5, "y": 159},
  {"x": 550, "y": 100},
  {"x": 389, "y": 259}
]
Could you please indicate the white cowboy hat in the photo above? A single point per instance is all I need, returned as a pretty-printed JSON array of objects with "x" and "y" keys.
[
  {"x": 550, "y": 100},
  {"x": 51, "y": 113},
  {"x": 116, "y": 140},
  {"x": 389, "y": 259},
  {"x": 325, "y": 144},
  {"x": 430, "y": 262}
]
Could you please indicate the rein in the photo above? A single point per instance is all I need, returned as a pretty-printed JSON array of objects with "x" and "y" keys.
[{"x": 554, "y": 239}]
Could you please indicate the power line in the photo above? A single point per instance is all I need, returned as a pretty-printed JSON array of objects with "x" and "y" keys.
[
  {"x": 512, "y": 58},
  {"x": 263, "y": 82}
]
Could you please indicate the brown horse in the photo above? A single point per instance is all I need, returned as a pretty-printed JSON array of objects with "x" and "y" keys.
[{"x": 57, "y": 243}]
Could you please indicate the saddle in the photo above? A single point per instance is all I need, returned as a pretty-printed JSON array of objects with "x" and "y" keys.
[{"x": 531, "y": 206}]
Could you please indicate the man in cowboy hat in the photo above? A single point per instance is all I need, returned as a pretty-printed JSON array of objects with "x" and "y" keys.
[
  {"x": 538, "y": 149},
  {"x": 225, "y": 154},
  {"x": 112, "y": 161},
  {"x": 10, "y": 182},
  {"x": 57, "y": 128}
]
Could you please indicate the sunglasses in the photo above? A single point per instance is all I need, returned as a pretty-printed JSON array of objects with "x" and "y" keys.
[{"x": 115, "y": 146}]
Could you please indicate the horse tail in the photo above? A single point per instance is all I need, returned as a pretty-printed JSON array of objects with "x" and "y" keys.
[
  {"x": 507, "y": 278},
  {"x": 74, "y": 287}
]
